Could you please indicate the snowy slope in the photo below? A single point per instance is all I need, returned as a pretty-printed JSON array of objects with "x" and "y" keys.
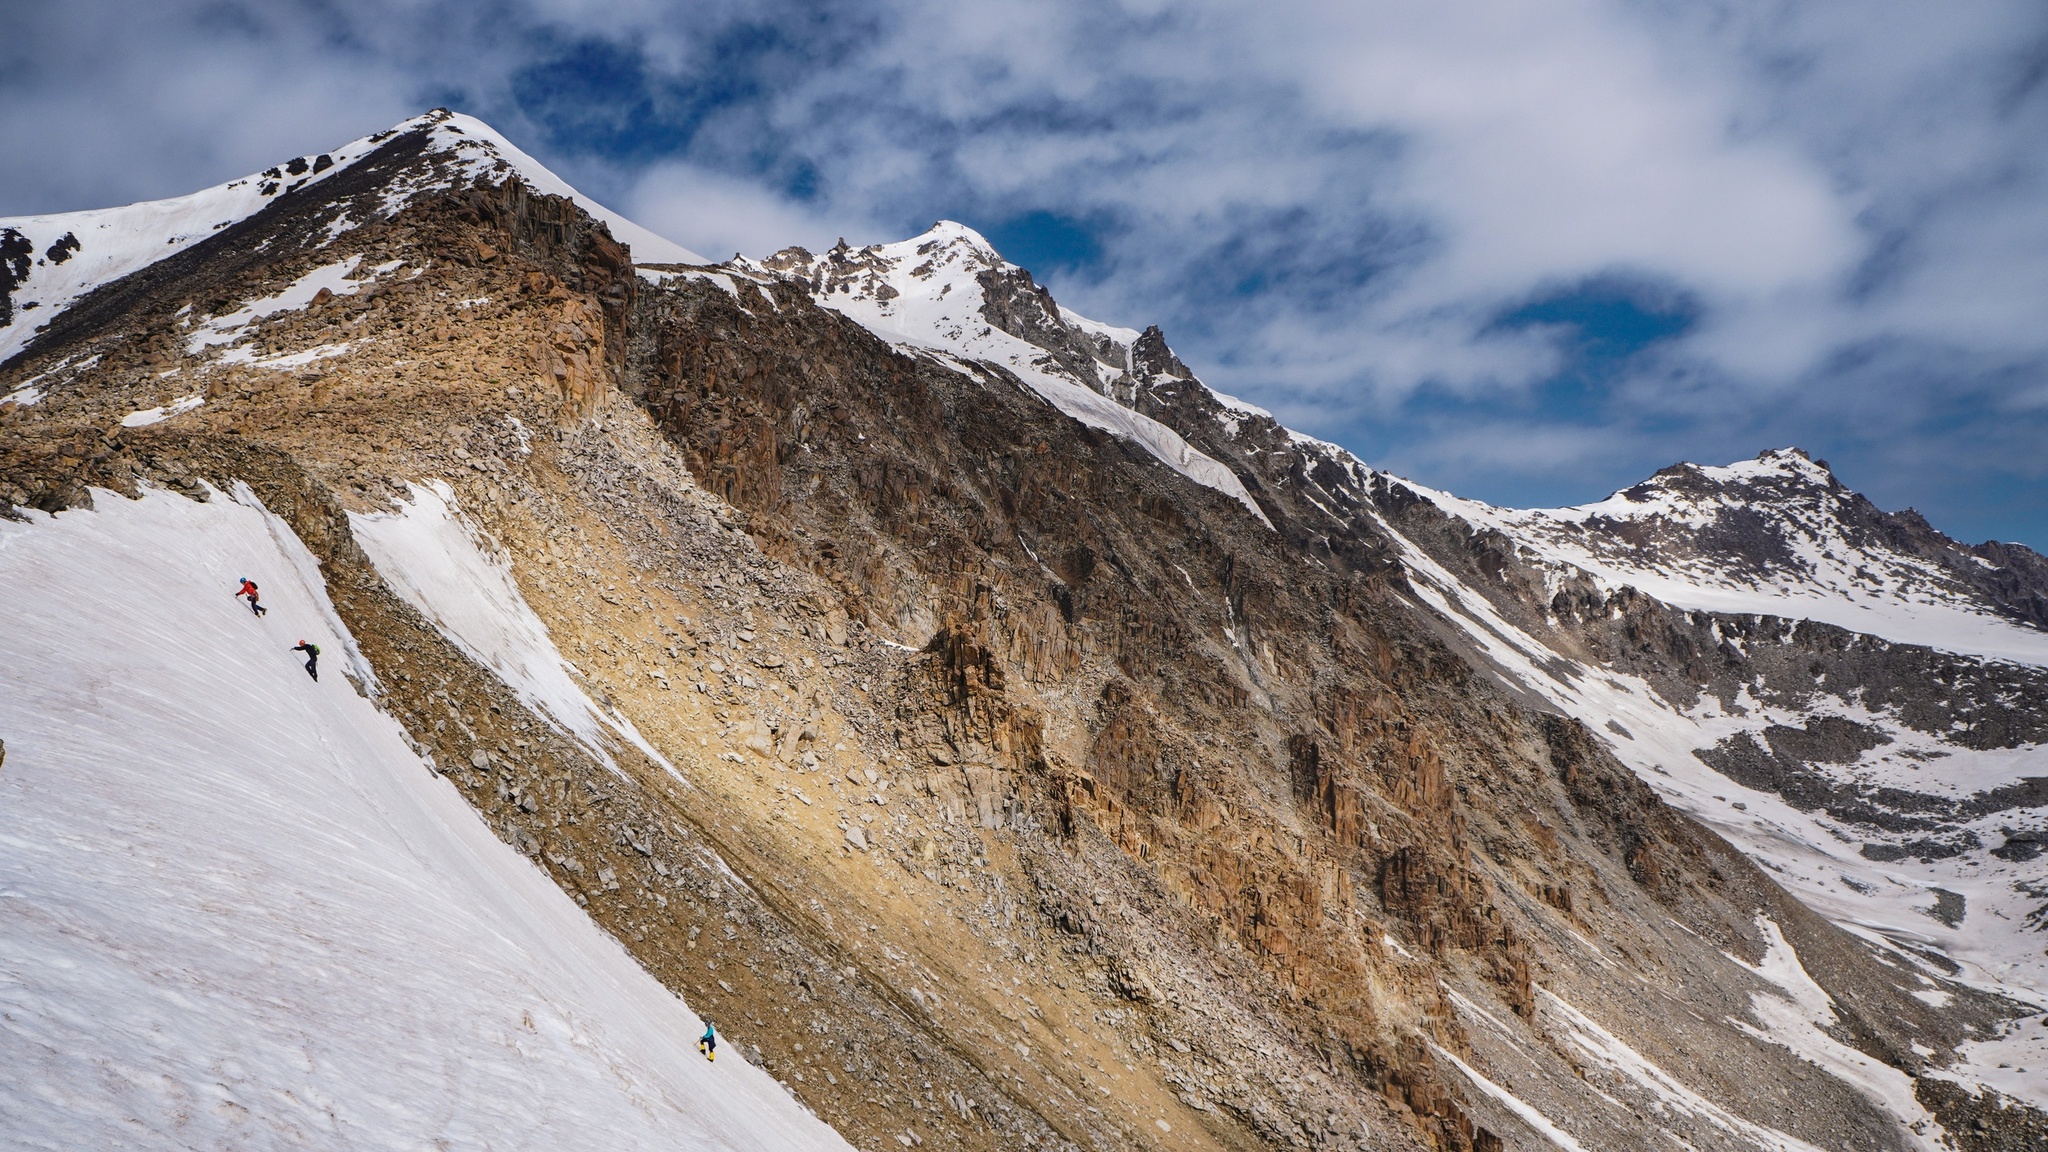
[
  {"x": 1979, "y": 908},
  {"x": 1798, "y": 562},
  {"x": 52, "y": 261},
  {"x": 924, "y": 293},
  {"x": 239, "y": 912}
]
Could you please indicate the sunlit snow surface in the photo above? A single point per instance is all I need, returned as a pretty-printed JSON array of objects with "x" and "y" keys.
[
  {"x": 237, "y": 911},
  {"x": 31, "y": 390},
  {"x": 162, "y": 412},
  {"x": 1798, "y": 1019},
  {"x": 337, "y": 278},
  {"x": 1595, "y": 1045},
  {"x": 481, "y": 149},
  {"x": 1513, "y": 1103}
]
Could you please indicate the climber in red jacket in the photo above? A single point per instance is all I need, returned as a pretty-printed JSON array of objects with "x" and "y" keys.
[{"x": 248, "y": 589}]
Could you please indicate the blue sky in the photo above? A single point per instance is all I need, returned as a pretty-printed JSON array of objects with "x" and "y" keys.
[{"x": 1526, "y": 250}]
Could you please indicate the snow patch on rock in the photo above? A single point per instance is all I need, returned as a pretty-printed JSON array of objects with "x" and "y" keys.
[
  {"x": 443, "y": 566},
  {"x": 1607, "y": 1050},
  {"x": 1798, "y": 1020},
  {"x": 1522, "y": 1109},
  {"x": 337, "y": 279},
  {"x": 162, "y": 412}
]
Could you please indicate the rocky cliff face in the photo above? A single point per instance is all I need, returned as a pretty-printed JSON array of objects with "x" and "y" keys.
[{"x": 1015, "y": 743}]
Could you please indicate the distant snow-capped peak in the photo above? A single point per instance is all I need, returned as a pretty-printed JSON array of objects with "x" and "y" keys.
[{"x": 1780, "y": 535}]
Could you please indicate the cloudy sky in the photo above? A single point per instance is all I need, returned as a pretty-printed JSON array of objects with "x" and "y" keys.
[{"x": 1527, "y": 250}]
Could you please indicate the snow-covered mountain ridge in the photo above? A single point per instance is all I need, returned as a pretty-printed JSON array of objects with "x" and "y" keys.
[
  {"x": 1001, "y": 732},
  {"x": 49, "y": 263},
  {"x": 949, "y": 290}
]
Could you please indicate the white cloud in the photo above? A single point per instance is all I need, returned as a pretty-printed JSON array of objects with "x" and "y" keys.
[
  {"x": 1557, "y": 140},
  {"x": 718, "y": 215}
]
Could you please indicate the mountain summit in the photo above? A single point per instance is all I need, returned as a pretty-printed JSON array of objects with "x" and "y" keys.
[
  {"x": 49, "y": 263},
  {"x": 1009, "y": 741}
]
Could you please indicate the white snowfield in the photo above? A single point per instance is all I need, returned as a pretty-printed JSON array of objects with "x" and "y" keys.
[
  {"x": 113, "y": 242},
  {"x": 1797, "y": 1020},
  {"x": 237, "y": 911},
  {"x": 925, "y": 296}
]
